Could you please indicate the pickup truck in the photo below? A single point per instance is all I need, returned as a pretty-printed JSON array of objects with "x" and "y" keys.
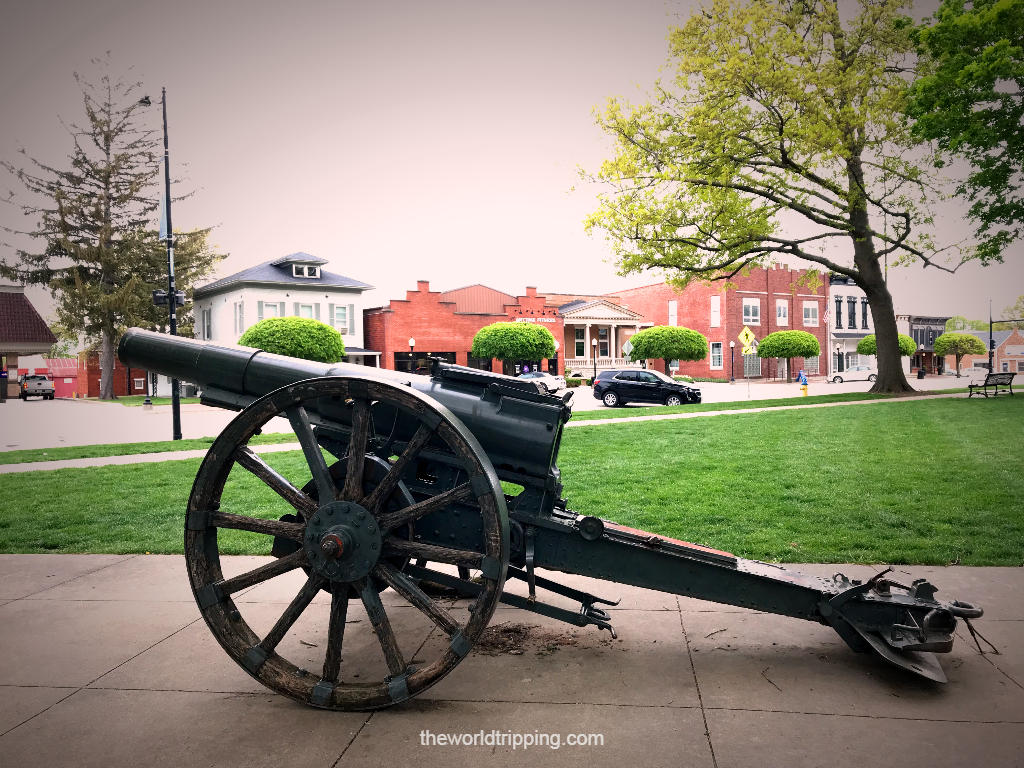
[{"x": 35, "y": 385}]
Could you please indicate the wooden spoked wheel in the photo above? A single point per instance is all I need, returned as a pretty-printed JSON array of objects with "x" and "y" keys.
[{"x": 351, "y": 536}]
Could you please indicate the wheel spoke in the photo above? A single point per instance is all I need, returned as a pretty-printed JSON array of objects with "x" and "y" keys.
[
  {"x": 406, "y": 588},
  {"x": 300, "y": 501},
  {"x": 326, "y": 490},
  {"x": 293, "y": 611},
  {"x": 264, "y": 572},
  {"x": 381, "y": 625},
  {"x": 380, "y": 494},
  {"x": 336, "y": 632},
  {"x": 293, "y": 531},
  {"x": 390, "y": 520},
  {"x": 353, "y": 490},
  {"x": 435, "y": 554}
]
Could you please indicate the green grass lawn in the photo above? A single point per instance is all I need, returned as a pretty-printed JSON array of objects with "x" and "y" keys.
[
  {"x": 128, "y": 449},
  {"x": 136, "y": 400},
  {"x": 914, "y": 482},
  {"x": 633, "y": 411}
]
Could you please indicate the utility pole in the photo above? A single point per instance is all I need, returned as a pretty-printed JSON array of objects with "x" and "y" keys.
[{"x": 991, "y": 341}]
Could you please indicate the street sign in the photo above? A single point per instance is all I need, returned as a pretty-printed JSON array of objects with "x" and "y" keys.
[
  {"x": 627, "y": 347},
  {"x": 746, "y": 336}
]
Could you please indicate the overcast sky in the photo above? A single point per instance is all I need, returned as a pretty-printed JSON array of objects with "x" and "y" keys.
[{"x": 398, "y": 140}]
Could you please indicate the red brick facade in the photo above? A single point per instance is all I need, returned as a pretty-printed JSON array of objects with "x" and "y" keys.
[
  {"x": 126, "y": 380},
  {"x": 694, "y": 310},
  {"x": 438, "y": 327}
]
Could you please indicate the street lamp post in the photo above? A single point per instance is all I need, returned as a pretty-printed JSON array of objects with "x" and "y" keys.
[
  {"x": 174, "y": 300},
  {"x": 839, "y": 359},
  {"x": 732, "y": 362},
  {"x": 412, "y": 354},
  {"x": 593, "y": 343}
]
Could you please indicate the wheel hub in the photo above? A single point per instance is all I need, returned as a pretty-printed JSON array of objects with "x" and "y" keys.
[{"x": 342, "y": 541}]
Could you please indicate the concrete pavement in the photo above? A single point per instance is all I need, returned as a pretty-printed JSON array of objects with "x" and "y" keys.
[{"x": 106, "y": 662}]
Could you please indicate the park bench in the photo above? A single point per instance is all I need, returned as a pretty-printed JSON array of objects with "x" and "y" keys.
[{"x": 995, "y": 381}]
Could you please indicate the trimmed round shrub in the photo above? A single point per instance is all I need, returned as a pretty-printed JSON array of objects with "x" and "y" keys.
[
  {"x": 514, "y": 341},
  {"x": 868, "y": 345},
  {"x": 298, "y": 337},
  {"x": 789, "y": 344},
  {"x": 667, "y": 342}
]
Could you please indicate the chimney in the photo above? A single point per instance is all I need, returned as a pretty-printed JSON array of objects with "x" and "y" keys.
[
  {"x": 531, "y": 292},
  {"x": 423, "y": 286}
]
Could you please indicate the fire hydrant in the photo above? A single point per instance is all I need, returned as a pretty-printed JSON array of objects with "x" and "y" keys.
[{"x": 802, "y": 379}]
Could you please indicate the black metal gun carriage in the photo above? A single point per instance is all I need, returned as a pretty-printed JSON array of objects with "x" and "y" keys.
[{"x": 415, "y": 479}]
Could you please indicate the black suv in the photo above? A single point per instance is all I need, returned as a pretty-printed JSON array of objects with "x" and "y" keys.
[{"x": 638, "y": 386}]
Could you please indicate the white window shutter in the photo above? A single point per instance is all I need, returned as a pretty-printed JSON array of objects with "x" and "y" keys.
[
  {"x": 296, "y": 305},
  {"x": 280, "y": 311},
  {"x": 330, "y": 315},
  {"x": 234, "y": 315},
  {"x": 351, "y": 319},
  {"x": 316, "y": 311},
  {"x": 241, "y": 317},
  {"x": 259, "y": 311}
]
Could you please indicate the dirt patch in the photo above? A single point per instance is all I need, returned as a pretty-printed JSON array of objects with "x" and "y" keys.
[{"x": 516, "y": 639}]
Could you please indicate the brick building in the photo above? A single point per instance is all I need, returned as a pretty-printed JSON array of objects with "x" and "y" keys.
[
  {"x": 1008, "y": 357},
  {"x": 443, "y": 324},
  {"x": 765, "y": 301},
  {"x": 127, "y": 381},
  {"x": 23, "y": 332}
]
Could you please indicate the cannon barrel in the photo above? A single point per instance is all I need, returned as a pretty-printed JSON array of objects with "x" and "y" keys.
[{"x": 518, "y": 426}]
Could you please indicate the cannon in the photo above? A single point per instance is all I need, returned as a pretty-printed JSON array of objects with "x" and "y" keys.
[{"x": 414, "y": 478}]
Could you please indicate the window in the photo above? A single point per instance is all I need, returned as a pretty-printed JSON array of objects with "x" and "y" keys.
[
  {"x": 299, "y": 270},
  {"x": 602, "y": 342},
  {"x": 811, "y": 365},
  {"x": 139, "y": 383},
  {"x": 626, "y": 376},
  {"x": 716, "y": 311},
  {"x": 716, "y": 355},
  {"x": 1006, "y": 367},
  {"x": 207, "y": 324},
  {"x": 852, "y": 359},
  {"x": 239, "y": 318},
  {"x": 864, "y": 313},
  {"x": 851, "y": 305},
  {"x": 751, "y": 311},
  {"x": 647, "y": 378},
  {"x": 751, "y": 365},
  {"x": 673, "y": 365},
  {"x": 811, "y": 315},
  {"x": 839, "y": 312},
  {"x": 931, "y": 337},
  {"x": 581, "y": 343},
  {"x": 337, "y": 318},
  {"x": 673, "y": 313},
  {"x": 782, "y": 312},
  {"x": 305, "y": 310},
  {"x": 265, "y": 309},
  {"x": 1020, "y": 366}
]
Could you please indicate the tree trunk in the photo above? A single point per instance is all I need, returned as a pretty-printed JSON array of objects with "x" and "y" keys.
[
  {"x": 871, "y": 279},
  {"x": 789, "y": 370},
  {"x": 107, "y": 367},
  {"x": 959, "y": 359}
]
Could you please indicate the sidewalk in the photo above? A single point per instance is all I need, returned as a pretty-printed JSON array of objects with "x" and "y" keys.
[
  {"x": 141, "y": 458},
  {"x": 107, "y": 662}
]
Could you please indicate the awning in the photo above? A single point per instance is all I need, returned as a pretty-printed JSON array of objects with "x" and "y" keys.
[{"x": 360, "y": 351}]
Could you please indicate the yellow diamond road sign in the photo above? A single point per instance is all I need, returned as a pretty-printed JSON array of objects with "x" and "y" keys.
[{"x": 746, "y": 336}]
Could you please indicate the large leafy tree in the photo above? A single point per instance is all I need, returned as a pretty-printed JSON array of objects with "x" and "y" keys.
[
  {"x": 789, "y": 344},
  {"x": 667, "y": 342},
  {"x": 958, "y": 344},
  {"x": 968, "y": 99},
  {"x": 92, "y": 241},
  {"x": 781, "y": 135},
  {"x": 513, "y": 341}
]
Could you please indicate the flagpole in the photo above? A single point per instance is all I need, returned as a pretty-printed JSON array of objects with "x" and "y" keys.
[{"x": 172, "y": 296}]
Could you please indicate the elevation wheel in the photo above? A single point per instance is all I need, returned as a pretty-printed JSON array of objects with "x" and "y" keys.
[{"x": 350, "y": 530}]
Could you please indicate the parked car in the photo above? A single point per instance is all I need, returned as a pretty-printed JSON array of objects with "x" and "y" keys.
[
  {"x": 856, "y": 373},
  {"x": 35, "y": 385},
  {"x": 545, "y": 381},
  {"x": 976, "y": 373},
  {"x": 635, "y": 386}
]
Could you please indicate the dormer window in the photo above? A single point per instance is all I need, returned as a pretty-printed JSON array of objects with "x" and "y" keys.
[{"x": 300, "y": 270}]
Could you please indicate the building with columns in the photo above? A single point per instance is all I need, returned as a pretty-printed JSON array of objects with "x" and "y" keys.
[{"x": 595, "y": 331}]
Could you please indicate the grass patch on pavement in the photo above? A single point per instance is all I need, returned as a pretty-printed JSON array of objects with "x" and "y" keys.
[
  {"x": 926, "y": 482},
  {"x": 135, "y": 400},
  {"x": 128, "y": 449},
  {"x": 633, "y": 411}
]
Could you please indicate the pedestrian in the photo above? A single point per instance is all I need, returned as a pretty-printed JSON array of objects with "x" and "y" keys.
[{"x": 802, "y": 380}]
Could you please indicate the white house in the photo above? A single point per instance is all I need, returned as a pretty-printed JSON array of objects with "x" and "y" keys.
[
  {"x": 296, "y": 285},
  {"x": 849, "y": 321}
]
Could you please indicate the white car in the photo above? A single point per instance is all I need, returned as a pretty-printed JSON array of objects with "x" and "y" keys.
[
  {"x": 856, "y": 373},
  {"x": 545, "y": 381}
]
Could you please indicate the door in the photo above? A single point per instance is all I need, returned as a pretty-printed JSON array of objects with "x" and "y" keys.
[
  {"x": 626, "y": 387},
  {"x": 648, "y": 387}
]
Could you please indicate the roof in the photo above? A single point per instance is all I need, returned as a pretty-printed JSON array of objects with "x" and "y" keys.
[
  {"x": 298, "y": 258},
  {"x": 479, "y": 300},
  {"x": 998, "y": 336},
  {"x": 599, "y": 309},
  {"x": 572, "y": 305},
  {"x": 277, "y": 272},
  {"x": 19, "y": 321}
]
